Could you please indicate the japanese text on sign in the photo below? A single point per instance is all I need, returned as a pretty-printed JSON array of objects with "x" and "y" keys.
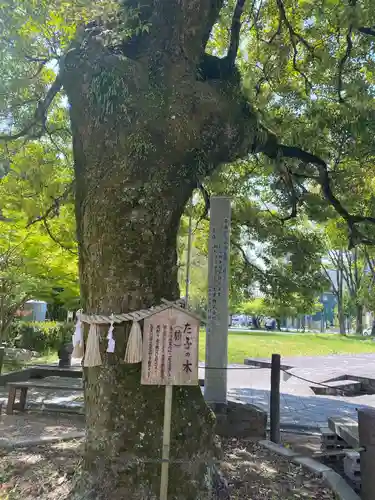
[
  {"x": 170, "y": 349},
  {"x": 218, "y": 277}
]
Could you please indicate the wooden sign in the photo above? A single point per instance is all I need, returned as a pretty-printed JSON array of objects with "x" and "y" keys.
[{"x": 170, "y": 348}]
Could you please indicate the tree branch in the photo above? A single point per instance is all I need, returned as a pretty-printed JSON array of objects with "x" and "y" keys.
[
  {"x": 246, "y": 259},
  {"x": 367, "y": 30},
  {"x": 370, "y": 263},
  {"x": 294, "y": 35},
  {"x": 206, "y": 198},
  {"x": 235, "y": 32},
  {"x": 344, "y": 266},
  {"x": 278, "y": 31},
  {"x": 291, "y": 30},
  {"x": 53, "y": 210},
  {"x": 335, "y": 291},
  {"x": 39, "y": 70},
  {"x": 347, "y": 271},
  {"x": 308, "y": 84},
  {"x": 40, "y": 114},
  {"x": 275, "y": 151},
  {"x": 293, "y": 196},
  {"x": 53, "y": 238},
  {"x": 349, "y": 47},
  {"x": 52, "y": 139},
  {"x": 50, "y": 213},
  {"x": 37, "y": 59},
  {"x": 293, "y": 213},
  {"x": 216, "y": 6}
]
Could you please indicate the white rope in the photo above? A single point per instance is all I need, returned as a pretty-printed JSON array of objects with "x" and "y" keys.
[{"x": 101, "y": 319}]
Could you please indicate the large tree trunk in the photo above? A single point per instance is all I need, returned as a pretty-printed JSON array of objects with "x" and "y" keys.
[
  {"x": 145, "y": 130},
  {"x": 128, "y": 216},
  {"x": 127, "y": 229}
]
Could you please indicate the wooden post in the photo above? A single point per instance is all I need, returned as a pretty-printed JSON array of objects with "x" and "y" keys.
[
  {"x": 170, "y": 357},
  {"x": 366, "y": 429},
  {"x": 2, "y": 356},
  {"x": 166, "y": 442},
  {"x": 11, "y": 400},
  {"x": 275, "y": 399},
  {"x": 188, "y": 257}
]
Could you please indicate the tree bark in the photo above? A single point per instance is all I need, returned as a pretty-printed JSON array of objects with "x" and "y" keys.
[
  {"x": 128, "y": 260},
  {"x": 359, "y": 319},
  {"x": 256, "y": 322},
  {"x": 341, "y": 317},
  {"x": 340, "y": 294},
  {"x": 128, "y": 216},
  {"x": 145, "y": 130}
]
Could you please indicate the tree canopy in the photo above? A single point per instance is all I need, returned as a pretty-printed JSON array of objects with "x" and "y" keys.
[{"x": 306, "y": 68}]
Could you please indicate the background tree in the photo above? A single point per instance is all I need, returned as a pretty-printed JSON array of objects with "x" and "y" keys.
[
  {"x": 198, "y": 286},
  {"x": 256, "y": 309},
  {"x": 153, "y": 112},
  {"x": 37, "y": 240},
  {"x": 349, "y": 272},
  {"x": 31, "y": 266},
  {"x": 280, "y": 308},
  {"x": 270, "y": 251}
]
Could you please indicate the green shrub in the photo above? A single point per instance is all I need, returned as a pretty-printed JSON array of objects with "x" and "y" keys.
[{"x": 39, "y": 336}]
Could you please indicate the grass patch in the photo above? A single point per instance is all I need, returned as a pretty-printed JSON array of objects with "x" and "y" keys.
[
  {"x": 44, "y": 359},
  {"x": 13, "y": 365},
  {"x": 243, "y": 345}
]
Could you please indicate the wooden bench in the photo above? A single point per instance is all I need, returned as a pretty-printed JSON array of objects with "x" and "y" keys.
[{"x": 23, "y": 387}]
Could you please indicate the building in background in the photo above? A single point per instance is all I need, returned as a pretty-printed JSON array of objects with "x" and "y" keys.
[{"x": 35, "y": 310}]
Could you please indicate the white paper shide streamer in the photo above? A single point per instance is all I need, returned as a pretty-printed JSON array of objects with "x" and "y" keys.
[
  {"x": 111, "y": 340},
  {"x": 133, "y": 352},
  {"x": 92, "y": 352},
  {"x": 77, "y": 340}
]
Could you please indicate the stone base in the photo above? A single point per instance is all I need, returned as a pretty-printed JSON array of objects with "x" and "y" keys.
[
  {"x": 65, "y": 363},
  {"x": 241, "y": 420}
]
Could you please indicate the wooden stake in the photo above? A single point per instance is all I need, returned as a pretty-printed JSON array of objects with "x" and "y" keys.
[
  {"x": 166, "y": 442},
  {"x": 275, "y": 398},
  {"x": 366, "y": 424}
]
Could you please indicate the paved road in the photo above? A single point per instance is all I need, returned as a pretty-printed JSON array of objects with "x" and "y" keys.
[
  {"x": 305, "y": 412},
  {"x": 324, "y": 368},
  {"x": 300, "y": 407}
]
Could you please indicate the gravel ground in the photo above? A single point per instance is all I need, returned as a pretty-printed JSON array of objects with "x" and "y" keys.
[
  {"x": 261, "y": 475},
  {"x": 253, "y": 473},
  {"x": 32, "y": 425},
  {"x": 43, "y": 472}
]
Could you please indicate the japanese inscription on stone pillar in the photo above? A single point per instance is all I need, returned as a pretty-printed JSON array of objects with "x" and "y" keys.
[
  {"x": 215, "y": 386},
  {"x": 170, "y": 348}
]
